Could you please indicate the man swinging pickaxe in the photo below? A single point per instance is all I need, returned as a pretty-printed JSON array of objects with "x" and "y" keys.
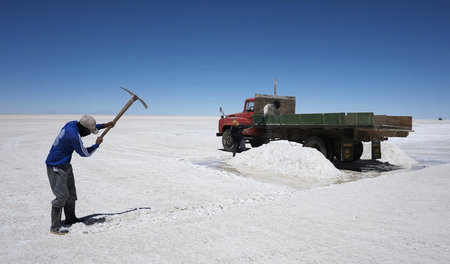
[
  {"x": 124, "y": 109},
  {"x": 59, "y": 169}
]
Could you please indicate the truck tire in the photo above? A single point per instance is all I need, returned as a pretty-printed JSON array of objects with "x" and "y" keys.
[
  {"x": 227, "y": 141},
  {"x": 257, "y": 142},
  {"x": 357, "y": 150},
  {"x": 330, "y": 149},
  {"x": 317, "y": 143}
]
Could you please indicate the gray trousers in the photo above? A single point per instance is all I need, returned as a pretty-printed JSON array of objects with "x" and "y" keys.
[{"x": 62, "y": 184}]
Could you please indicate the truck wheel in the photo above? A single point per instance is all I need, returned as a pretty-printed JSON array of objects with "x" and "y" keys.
[
  {"x": 357, "y": 150},
  {"x": 227, "y": 141},
  {"x": 257, "y": 142},
  {"x": 330, "y": 149},
  {"x": 317, "y": 143}
]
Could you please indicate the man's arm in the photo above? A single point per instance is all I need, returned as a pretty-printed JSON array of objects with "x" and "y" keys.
[
  {"x": 105, "y": 125},
  {"x": 80, "y": 149}
]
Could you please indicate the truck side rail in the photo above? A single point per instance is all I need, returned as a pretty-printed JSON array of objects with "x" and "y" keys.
[{"x": 335, "y": 121}]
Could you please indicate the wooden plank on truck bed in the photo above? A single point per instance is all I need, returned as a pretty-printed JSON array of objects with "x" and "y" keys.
[
  {"x": 393, "y": 121},
  {"x": 378, "y": 124},
  {"x": 287, "y": 103}
]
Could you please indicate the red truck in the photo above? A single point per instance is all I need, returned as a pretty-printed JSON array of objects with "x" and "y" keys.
[{"x": 335, "y": 135}]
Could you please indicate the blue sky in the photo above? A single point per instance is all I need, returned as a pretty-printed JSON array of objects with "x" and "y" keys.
[{"x": 191, "y": 57}]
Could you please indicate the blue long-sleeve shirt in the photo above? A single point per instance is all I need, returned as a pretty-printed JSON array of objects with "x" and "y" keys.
[{"x": 66, "y": 142}]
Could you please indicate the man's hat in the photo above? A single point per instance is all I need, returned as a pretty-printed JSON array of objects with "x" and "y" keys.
[{"x": 89, "y": 122}]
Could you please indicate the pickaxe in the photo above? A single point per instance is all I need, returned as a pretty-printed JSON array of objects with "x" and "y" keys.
[{"x": 124, "y": 109}]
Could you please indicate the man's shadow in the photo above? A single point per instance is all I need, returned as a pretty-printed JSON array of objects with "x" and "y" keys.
[{"x": 101, "y": 217}]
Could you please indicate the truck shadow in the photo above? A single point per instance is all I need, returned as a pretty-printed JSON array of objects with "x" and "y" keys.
[
  {"x": 98, "y": 218},
  {"x": 241, "y": 150},
  {"x": 366, "y": 166}
]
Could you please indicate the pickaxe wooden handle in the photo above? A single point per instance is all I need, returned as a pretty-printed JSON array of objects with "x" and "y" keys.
[{"x": 124, "y": 109}]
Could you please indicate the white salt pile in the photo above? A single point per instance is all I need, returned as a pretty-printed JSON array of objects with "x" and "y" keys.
[
  {"x": 287, "y": 158},
  {"x": 389, "y": 153},
  {"x": 290, "y": 158}
]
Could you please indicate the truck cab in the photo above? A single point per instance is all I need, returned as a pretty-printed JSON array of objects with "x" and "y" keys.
[{"x": 244, "y": 118}]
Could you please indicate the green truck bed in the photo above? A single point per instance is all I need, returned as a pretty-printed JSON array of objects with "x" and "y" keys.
[{"x": 335, "y": 120}]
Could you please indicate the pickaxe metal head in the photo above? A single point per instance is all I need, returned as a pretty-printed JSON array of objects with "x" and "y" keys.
[
  {"x": 124, "y": 109},
  {"x": 135, "y": 97}
]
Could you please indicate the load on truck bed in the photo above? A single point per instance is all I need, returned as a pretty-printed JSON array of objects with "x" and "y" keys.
[{"x": 335, "y": 135}]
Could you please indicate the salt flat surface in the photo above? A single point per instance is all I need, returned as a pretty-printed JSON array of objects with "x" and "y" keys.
[{"x": 219, "y": 214}]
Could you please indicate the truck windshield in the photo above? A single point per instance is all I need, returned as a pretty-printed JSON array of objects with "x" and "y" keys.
[{"x": 250, "y": 107}]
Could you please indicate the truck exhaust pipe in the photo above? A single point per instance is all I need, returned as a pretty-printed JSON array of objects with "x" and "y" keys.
[
  {"x": 275, "y": 87},
  {"x": 223, "y": 114}
]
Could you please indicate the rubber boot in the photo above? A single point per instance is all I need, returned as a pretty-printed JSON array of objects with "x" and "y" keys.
[
  {"x": 69, "y": 212},
  {"x": 56, "y": 222}
]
